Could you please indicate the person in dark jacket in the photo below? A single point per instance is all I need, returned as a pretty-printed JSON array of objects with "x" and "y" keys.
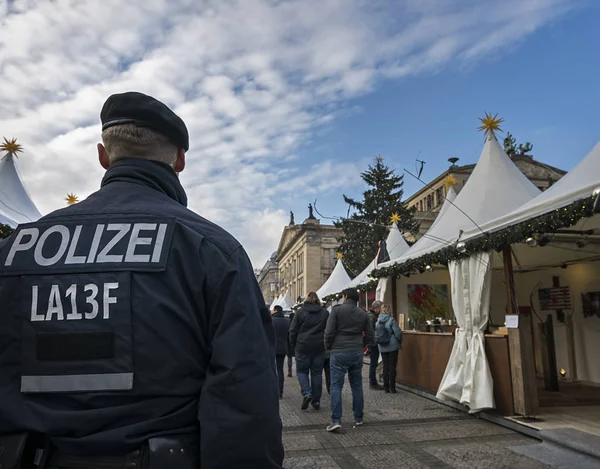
[
  {"x": 374, "y": 349},
  {"x": 290, "y": 349},
  {"x": 282, "y": 329},
  {"x": 389, "y": 350},
  {"x": 306, "y": 337},
  {"x": 130, "y": 324},
  {"x": 348, "y": 331}
]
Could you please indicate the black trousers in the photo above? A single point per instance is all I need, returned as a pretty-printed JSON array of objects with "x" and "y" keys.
[
  {"x": 373, "y": 365},
  {"x": 280, "y": 359},
  {"x": 289, "y": 361},
  {"x": 327, "y": 370},
  {"x": 390, "y": 361}
]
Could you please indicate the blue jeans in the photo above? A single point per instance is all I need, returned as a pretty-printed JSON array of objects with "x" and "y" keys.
[
  {"x": 310, "y": 387},
  {"x": 351, "y": 363}
]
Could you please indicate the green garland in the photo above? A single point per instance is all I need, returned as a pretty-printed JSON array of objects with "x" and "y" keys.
[
  {"x": 545, "y": 224},
  {"x": 5, "y": 231}
]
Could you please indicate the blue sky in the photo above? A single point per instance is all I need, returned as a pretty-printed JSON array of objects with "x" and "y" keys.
[
  {"x": 546, "y": 88},
  {"x": 287, "y": 101}
]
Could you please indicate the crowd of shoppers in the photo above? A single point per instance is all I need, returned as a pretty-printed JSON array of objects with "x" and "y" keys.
[{"x": 333, "y": 343}]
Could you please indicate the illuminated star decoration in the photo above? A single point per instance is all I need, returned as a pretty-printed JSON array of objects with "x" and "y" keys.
[
  {"x": 395, "y": 218},
  {"x": 340, "y": 255},
  {"x": 11, "y": 146},
  {"x": 490, "y": 124},
  {"x": 71, "y": 199},
  {"x": 450, "y": 182},
  {"x": 379, "y": 159}
]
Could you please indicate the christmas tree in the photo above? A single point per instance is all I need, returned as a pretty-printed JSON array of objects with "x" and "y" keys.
[{"x": 369, "y": 219}]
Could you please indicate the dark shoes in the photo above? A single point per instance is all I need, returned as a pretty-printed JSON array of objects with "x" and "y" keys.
[
  {"x": 376, "y": 387},
  {"x": 306, "y": 402},
  {"x": 316, "y": 406},
  {"x": 393, "y": 390},
  {"x": 290, "y": 375}
]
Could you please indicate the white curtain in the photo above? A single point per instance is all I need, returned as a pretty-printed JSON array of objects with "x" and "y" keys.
[
  {"x": 452, "y": 383},
  {"x": 382, "y": 286},
  {"x": 468, "y": 379}
]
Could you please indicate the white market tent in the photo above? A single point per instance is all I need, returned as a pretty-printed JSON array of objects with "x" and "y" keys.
[
  {"x": 336, "y": 282},
  {"x": 396, "y": 246},
  {"x": 496, "y": 186},
  {"x": 383, "y": 282},
  {"x": 579, "y": 183},
  {"x": 284, "y": 301},
  {"x": 16, "y": 206}
]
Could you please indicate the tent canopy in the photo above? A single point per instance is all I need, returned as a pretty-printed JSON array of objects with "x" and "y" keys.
[
  {"x": 396, "y": 245},
  {"x": 336, "y": 282},
  {"x": 284, "y": 301},
  {"x": 577, "y": 184},
  {"x": 496, "y": 186},
  {"x": 16, "y": 206}
]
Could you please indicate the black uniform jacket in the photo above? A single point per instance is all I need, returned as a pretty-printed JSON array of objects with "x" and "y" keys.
[{"x": 127, "y": 316}]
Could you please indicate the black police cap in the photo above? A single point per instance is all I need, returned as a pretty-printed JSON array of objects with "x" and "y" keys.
[{"x": 144, "y": 111}]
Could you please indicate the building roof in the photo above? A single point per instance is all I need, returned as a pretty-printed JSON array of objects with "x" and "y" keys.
[
  {"x": 579, "y": 183},
  {"x": 292, "y": 233},
  {"x": 336, "y": 282},
  {"x": 496, "y": 186},
  {"x": 16, "y": 206}
]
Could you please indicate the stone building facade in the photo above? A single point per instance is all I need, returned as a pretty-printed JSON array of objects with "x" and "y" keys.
[
  {"x": 306, "y": 256},
  {"x": 429, "y": 200},
  {"x": 268, "y": 279}
]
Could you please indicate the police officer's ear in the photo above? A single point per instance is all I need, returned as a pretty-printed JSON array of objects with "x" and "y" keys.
[
  {"x": 103, "y": 156},
  {"x": 180, "y": 161}
]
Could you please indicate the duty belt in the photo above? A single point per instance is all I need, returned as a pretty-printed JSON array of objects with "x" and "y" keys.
[{"x": 27, "y": 451}]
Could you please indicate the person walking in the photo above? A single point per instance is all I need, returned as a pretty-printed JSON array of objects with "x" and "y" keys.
[
  {"x": 282, "y": 329},
  {"x": 307, "y": 338},
  {"x": 389, "y": 339},
  {"x": 348, "y": 331},
  {"x": 374, "y": 349},
  {"x": 146, "y": 340},
  {"x": 290, "y": 348}
]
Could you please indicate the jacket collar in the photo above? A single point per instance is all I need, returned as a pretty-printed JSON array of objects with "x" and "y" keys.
[
  {"x": 153, "y": 174},
  {"x": 350, "y": 302}
]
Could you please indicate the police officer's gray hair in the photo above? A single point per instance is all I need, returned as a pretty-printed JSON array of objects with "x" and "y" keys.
[{"x": 131, "y": 141}]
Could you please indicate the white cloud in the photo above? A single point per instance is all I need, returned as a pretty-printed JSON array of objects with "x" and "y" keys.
[{"x": 253, "y": 79}]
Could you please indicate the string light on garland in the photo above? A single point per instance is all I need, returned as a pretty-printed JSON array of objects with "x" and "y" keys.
[
  {"x": 5, "y": 231},
  {"x": 548, "y": 223}
]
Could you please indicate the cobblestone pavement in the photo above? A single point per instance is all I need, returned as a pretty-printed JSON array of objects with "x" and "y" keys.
[{"x": 401, "y": 431}]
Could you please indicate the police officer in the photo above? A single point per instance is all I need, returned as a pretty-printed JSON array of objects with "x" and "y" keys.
[{"x": 133, "y": 332}]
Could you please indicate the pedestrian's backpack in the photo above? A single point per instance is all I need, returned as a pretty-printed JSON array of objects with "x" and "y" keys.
[{"x": 382, "y": 334}]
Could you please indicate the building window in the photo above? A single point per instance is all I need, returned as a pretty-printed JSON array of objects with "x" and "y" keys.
[
  {"x": 301, "y": 263},
  {"x": 429, "y": 203}
]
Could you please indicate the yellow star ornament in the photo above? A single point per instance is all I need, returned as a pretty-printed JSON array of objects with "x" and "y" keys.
[
  {"x": 450, "y": 181},
  {"x": 340, "y": 255},
  {"x": 11, "y": 146},
  {"x": 395, "y": 218},
  {"x": 490, "y": 124},
  {"x": 71, "y": 199}
]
